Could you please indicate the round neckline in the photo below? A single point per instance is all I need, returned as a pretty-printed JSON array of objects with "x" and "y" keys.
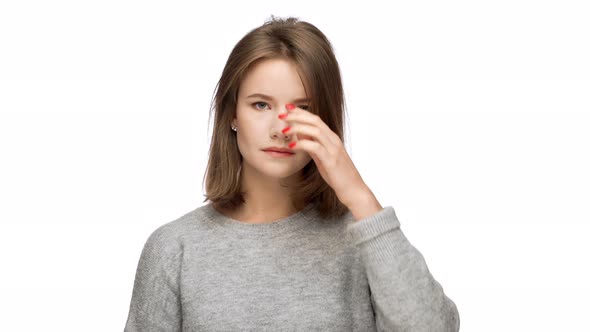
[{"x": 287, "y": 224}]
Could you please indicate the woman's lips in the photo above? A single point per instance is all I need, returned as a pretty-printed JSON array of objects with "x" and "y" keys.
[{"x": 279, "y": 154}]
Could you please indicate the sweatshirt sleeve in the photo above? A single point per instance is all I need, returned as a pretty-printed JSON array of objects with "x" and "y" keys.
[
  {"x": 155, "y": 301},
  {"x": 404, "y": 294}
]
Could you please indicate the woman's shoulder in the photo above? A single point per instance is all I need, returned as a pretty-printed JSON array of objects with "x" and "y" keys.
[{"x": 173, "y": 232}]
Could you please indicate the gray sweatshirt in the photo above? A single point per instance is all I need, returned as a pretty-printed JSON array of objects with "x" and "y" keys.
[{"x": 207, "y": 272}]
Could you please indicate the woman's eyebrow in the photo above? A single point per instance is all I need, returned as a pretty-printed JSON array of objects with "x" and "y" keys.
[{"x": 263, "y": 96}]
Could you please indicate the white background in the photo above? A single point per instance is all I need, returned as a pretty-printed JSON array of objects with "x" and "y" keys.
[{"x": 470, "y": 118}]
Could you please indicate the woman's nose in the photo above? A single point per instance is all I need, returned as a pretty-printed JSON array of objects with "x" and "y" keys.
[{"x": 277, "y": 128}]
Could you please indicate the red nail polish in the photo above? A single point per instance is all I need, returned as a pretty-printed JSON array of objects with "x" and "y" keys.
[
  {"x": 282, "y": 116},
  {"x": 292, "y": 144},
  {"x": 290, "y": 106},
  {"x": 286, "y": 129}
]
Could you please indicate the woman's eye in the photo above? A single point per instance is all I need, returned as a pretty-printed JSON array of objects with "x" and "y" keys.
[{"x": 257, "y": 103}]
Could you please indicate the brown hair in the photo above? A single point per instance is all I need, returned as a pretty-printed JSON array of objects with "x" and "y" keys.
[{"x": 311, "y": 52}]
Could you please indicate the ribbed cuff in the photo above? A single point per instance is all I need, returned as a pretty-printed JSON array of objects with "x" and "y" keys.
[{"x": 373, "y": 226}]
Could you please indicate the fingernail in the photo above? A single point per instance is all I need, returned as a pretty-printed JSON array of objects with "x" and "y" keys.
[
  {"x": 286, "y": 129},
  {"x": 290, "y": 106},
  {"x": 292, "y": 144},
  {"x": 282, "y": 116}
]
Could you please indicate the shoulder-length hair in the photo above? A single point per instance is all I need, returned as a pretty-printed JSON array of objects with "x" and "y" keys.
[{"x": 311, "y": 52}]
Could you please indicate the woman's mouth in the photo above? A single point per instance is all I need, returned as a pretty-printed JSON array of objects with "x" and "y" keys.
[{"x": 277, "y": 154}]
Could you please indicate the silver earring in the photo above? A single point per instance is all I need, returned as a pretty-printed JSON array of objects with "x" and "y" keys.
[{"x": 234, "y": 128}]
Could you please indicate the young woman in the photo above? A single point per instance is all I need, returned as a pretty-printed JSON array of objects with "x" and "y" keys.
[{"x": 292, "y": 239}]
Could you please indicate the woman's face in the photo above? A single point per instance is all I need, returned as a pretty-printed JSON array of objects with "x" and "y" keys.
[{"x": 257, "y": 117}]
